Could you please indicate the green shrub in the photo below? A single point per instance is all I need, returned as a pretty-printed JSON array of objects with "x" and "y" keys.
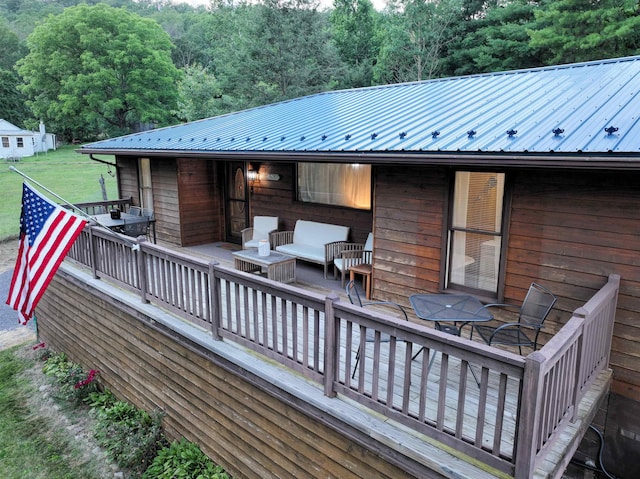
[
  {"x": 131, "y": 436},
  {"x": 183, "y": 460},
  {"x": 73, "y": 383}
]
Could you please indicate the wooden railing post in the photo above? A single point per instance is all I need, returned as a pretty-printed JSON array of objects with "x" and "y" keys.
[
  {"x": 330, "y": 347},
  {"x": 92, "y": 254},
  {"x": 142, "y": 270},
  {"x": 215, "y": 303},
  {"x": 528, "y": 420}
]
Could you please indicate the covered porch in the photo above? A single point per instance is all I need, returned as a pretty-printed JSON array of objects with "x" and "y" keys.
[{"x": 525, "y": 418}]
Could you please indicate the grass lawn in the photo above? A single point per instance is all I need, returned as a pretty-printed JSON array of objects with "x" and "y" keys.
[
  {"x": 34, "y": 443},
  {"x": 73, "y": 176}
]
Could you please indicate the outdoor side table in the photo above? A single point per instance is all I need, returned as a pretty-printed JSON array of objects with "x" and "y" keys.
[
  {"x": 365, "y": 270},
  {"x": 280, "y": 267}
]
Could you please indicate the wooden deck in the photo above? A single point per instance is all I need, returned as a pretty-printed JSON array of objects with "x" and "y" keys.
[{"x": 522, "y": 417}]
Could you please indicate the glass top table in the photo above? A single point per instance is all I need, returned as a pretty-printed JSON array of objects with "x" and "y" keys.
[{"x": 449, "y": 308}]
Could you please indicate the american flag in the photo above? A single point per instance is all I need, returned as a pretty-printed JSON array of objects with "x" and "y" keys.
[{"x": 47, "y": 231}]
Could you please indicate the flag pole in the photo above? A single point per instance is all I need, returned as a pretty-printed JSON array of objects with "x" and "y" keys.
[{"x": 91, "y": 219}]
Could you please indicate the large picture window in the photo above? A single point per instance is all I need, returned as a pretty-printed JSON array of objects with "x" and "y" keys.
[
  {"x": 475, "y": 231},
  {"x": 335, "y": 184}
]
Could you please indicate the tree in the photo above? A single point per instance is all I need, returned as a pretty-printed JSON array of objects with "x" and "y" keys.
[
  {"x": 581, "y": 30},
  {"x": 13, "y": 106},
  {"x": 96, "y": 71},
  {"x": 289, "y": 54},
  {"x": 354, "y": 33},
  {"x": 200, "y": 95},
  {"x": 495, "y": 40},
  {"x": 417, "y": 32}
]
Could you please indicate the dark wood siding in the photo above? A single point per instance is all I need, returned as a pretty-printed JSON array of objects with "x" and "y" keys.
[
  {"x": 252, "y": 433},
  {"x": 200, "y": 194},
  {"x": 409, "y": 205},
  {"x": 277, "y": 198},
  {"x": 569, "y": 231}
]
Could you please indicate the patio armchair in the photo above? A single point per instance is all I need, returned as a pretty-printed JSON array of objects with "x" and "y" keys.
[
  {"x": 531, "y": 315},
  {"x": 263, "y": 227},
  {"x": 135, "y": 210},
  {"x": 352, "y": 254},
  {"x": 136, "y": 229},
  {"x": 354, "y": 298}
]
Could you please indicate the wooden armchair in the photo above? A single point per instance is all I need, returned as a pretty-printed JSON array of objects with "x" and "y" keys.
[
  {"x": 351, "y": 254},
  {"x": 262, "y": 229}
]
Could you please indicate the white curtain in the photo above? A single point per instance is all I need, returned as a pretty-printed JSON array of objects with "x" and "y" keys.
[{"x": 335, "y": 184}]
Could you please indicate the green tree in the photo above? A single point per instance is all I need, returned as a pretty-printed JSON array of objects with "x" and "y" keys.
[
  {"x": 495, "y": 40},
  {"x": 200, "y": 95},
  {"x": 94, "y": 71},
  {"x": 11, "y": 48},
  {"x": 581, "y": 30},
  {"x": 354, "y": 32},
  {"x": 417, "y": 32},
  {"x": 13, "y": 106},
  {"x": 289, "y": 53}
]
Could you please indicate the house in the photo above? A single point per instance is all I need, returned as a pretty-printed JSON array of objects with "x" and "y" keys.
[
  {"x": 17, "y": 143},
  {"x": 480, "y": 184}
]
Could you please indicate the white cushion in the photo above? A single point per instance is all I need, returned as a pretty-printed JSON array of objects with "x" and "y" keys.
[
  {"x": 314, "y": 234},
  {"x": 368, "y": 246},
  {"x": 310, "y": 253},
  {"x": 262, "y": 226}
]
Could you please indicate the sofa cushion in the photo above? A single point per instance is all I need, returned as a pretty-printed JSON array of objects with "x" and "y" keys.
[
  {"x": 310, "y": 253},
  {"x": 312, "y": 234}
]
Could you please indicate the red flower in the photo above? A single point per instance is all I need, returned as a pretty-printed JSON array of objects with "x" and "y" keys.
[
  {"x": 38, "y": 346},
  {"x": 90, "y": 378}
]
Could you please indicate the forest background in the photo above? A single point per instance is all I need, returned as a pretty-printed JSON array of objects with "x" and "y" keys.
[{"x": 92, "y": 70}]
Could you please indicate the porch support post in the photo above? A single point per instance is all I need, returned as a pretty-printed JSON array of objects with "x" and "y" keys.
[
  {"x": 528, "y": 424},
  {"x": 214, "y": 303},
  {"x": 330, "y": 346}
]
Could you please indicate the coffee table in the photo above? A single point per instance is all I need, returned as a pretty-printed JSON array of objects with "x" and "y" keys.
[{"x": 280, "y": 267}]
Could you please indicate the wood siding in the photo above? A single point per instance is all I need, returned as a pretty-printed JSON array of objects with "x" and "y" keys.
[
  {"x": 236, "y": 421},
  {"x": 569, "y": 231},
  {"x": 409, "y": 207},
  {"x": 128, "y": 179},
  {"x": 164, "y": 182},
  {"x": 277, "y": 198},
  {"x": 200, "y": 202}
]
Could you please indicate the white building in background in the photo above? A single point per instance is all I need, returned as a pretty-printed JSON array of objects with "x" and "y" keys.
[{"x": 16, "y": 143}]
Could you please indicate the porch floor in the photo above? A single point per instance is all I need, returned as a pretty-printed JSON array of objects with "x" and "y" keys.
[{"x": 310, "y": 277}]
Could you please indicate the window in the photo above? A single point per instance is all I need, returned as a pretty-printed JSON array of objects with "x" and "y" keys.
[
  {"x": 20, "y": 142},
  {"x": 475, "y": 231},
  {"x": 335, "y": 184},
  {"x": 5, "y": 142}
]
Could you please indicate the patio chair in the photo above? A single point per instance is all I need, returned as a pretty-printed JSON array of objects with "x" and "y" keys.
[
  {"x": 135, "y": 210},
  {"x": 262, "y": 228},
  {"x": 534, "y": 310},
  {"x": 147, "y": 213},
  {"x": 352, "y": 254},
  {"x": 139, "y": 228},
  {"x": 354, "y": 298}
]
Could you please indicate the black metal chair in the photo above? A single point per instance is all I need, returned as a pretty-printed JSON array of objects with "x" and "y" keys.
[
  {"x": 354, "y": 297},
  {"x": 136, "y": 229},
  {"x": 534, "y": 310}
]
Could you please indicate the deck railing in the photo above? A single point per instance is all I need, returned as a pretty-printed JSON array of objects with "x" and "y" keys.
[{"x": 500, "y": 408}]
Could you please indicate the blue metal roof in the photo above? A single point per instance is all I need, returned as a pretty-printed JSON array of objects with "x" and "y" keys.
[{"x": 590, "y": 108}]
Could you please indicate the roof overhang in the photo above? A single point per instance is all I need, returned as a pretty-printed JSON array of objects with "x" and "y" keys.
[{"x": 472, "y": 160}]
